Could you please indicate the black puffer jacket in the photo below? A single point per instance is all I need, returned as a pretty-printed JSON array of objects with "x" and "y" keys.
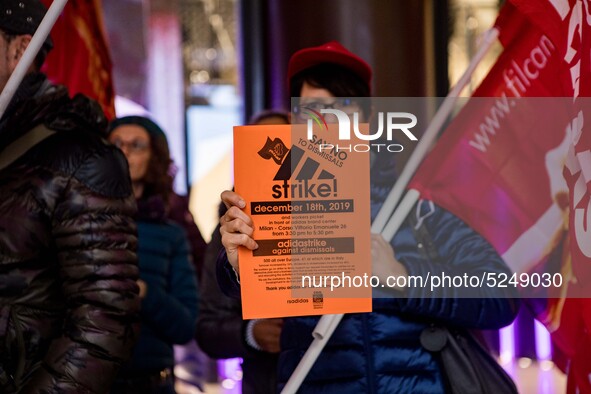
[{"x": 68, "y": 297}]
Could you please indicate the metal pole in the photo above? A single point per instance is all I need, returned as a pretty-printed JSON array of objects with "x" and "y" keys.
[
  {"x": 322, "y": 333},
  {"x": 430, "y": 135}
]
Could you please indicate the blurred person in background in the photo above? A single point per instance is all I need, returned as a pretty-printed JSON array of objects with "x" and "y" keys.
[
  {"x": 221, "y": 332},
  {"x": 69, "y": 306},
  {"x": 168, "y": 287},
  {"x": 179, "y": 213}
]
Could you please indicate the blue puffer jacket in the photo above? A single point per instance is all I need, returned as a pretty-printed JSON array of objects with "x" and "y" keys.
[
  {"x": 169, "y": 310},
  {"x": 380, "y": 352}
]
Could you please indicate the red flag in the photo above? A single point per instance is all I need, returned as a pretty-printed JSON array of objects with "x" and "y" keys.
[
  {"x": 487, "y": 166},
  {"x": 498, "y": 166},
  {"x": 80, "y": 59},
  {"x": 568, "y": 24}
]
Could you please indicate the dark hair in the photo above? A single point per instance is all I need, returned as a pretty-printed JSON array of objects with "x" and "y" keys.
[
  {"x": 269, "y": 113},
  {"x": 39, "y": 58},
  {"x": 338, "y": 80},
  {"x": 160, "y": 172},
  {"x": 159, "y": 177}
]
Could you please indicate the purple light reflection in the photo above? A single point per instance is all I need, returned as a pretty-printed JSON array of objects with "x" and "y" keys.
[
  {"x": 230, "y": 373},
  {"x": 543, "y": 342}
]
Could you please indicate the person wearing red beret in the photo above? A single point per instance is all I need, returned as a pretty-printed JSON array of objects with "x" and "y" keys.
[{"x": 378, "y": 352}]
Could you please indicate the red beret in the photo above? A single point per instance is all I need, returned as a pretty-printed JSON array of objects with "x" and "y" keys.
[{"x": 331, "y": 52}]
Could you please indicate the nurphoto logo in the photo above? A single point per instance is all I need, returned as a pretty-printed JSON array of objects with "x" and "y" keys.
[{"x": 389, "y": 124}]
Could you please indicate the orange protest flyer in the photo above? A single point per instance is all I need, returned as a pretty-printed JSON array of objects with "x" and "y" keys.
[{"x": 309, "y": 201}]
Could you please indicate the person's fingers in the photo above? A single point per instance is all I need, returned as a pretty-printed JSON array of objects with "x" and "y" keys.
[
  {"x": 230, "y": 199},
  {"x": 378, "y": 241},
  {"x": 275, "y": 330},
  {"x": 236, "y": 213},
  {"x": 237, "y": 226},
  {"x": 232, "y": 241},
  {"x": 267, "y": 333},
  {"x": 276, "y": 321}
]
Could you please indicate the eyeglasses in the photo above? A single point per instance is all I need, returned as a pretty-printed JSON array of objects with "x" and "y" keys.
[
  {"x": 302, "y": 111},
  {"x": 133, "y": 146},
  {"x": 340, "y": 104}
]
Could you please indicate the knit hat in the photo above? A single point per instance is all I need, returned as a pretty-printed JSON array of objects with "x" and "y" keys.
[
  {"x": 22, "y": 17},
  {"x": 331, "y": 52},
  {"x": 151, "y": 127}
]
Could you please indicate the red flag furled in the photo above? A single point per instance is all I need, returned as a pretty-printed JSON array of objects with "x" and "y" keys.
[
  {"x": 493, "y": 158},
  {"x": 80, "y": 59},
  {"x": 515, "y": 163}
]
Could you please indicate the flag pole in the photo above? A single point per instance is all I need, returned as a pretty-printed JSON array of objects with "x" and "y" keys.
[
  {"x": 426, "y": 141},
  {"x": 328, "y": 323},
  {"x": 29, "y": 55},
  {"x": 322, "y": 333}
]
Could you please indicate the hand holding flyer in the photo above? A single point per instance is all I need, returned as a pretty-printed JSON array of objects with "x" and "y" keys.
[{"x": 309, "y": 205}]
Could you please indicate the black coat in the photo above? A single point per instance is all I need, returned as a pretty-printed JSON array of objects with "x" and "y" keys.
[{"x": 68, "y": 237}]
